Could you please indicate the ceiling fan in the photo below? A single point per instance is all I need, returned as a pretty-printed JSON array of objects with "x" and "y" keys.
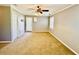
[{"x": 38, "y": 9}]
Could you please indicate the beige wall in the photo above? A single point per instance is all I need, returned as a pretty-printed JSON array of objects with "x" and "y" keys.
[
  {"x": 66, "y": 27},
  {"x": 41, "y": 25},
  {"x": 5, "y": 23}
]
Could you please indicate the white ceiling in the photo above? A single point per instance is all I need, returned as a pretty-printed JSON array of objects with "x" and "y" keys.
[
  {"x": 53, "y": 8},
  {"x": 29, "y": 9}
]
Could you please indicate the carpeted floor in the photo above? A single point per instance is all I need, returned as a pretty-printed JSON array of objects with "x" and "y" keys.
[{"x": 35, "y": 44}]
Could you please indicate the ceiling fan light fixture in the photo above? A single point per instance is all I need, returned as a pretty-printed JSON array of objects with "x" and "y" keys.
[{"x": 38, "y": 14}]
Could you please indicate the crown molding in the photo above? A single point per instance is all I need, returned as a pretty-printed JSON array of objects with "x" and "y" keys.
[
  {"x": 63, "y": 9},
  {"x": 12, "y": 6},
  {"x": 15, "y": 8}
]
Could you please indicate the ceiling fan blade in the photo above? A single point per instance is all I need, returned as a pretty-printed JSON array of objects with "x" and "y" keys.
[{"x": 45, "y": 10}]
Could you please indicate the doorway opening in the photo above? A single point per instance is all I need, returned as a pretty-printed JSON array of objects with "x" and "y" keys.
[{"x": 28, "y": 24}]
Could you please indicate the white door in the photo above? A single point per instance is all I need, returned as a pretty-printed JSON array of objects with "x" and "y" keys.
[
  {"x": 28, "y": 23},
  {"x": 20, "y": 25}
]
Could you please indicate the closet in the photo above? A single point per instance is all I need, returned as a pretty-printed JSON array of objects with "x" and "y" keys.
[
  {"x": 17, "y": 23},
  {"x": 11, "y": 24}
]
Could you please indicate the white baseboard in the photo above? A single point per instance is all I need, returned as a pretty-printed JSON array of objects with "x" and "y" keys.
[
  {"x": 63, "y": 43},
  {"x": 5, "y": 41}
]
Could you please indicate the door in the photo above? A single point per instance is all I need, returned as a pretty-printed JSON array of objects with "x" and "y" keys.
[
  {"x": 29, "y": 24},
  {"x": 20, "y": 25}
]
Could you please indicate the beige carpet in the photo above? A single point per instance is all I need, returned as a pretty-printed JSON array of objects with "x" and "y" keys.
[{"x": 35, "y": 44}]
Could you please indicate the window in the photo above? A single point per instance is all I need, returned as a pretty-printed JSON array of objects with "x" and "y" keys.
[
  {"x": 35, "y": 19},
  {"x": 51, "y": 23}
]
